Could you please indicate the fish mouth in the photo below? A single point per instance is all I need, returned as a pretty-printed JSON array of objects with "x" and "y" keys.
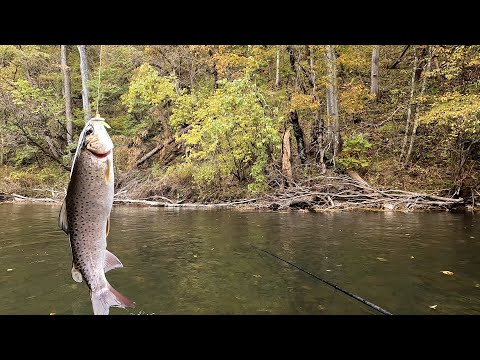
[{"x": 101, "y": 156}]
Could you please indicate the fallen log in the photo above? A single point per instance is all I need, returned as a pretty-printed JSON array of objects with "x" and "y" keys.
[
  {"x": 177, "y": 205},
  {"x": 167, "y": 142}
]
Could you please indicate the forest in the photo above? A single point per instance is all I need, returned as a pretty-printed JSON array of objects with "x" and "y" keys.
[{"x": 311, "y": 127}]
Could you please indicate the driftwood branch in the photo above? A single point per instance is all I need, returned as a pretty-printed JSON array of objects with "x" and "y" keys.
[{"x": 347, "y": 193}]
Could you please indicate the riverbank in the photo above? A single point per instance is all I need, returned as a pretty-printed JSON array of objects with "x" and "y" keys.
[{"x": 326, "y": 193}]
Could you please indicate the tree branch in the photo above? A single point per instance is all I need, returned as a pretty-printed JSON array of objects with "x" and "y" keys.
[{"x": 394, "y": 65}]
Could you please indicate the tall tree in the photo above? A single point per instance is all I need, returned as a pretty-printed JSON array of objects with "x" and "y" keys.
[
  {"x": 84, "y": 73},
  {"x": 293, "y": 115},
  {"x": 426, "y": 69},
  {"x": 277, "y": 69},
  {"x": 286, "y": 157},
  {"x": 214, "y": 69},
  {"x": 67, "y": 95},
  {"x": 332, "y": 100},
  {"x": 411, "y": 105},
  {"x": 297, "y": 130},
  {"x": 374, "y": 73},
  {"x": 2, "y": 145},
  {"x": 318, "y": 128}
]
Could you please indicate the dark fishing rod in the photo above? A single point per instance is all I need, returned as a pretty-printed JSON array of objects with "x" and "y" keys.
[{"x": 373, "y": 306}]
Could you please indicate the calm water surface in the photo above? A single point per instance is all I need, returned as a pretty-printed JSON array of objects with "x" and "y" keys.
[{"x": 199, "y": 262}]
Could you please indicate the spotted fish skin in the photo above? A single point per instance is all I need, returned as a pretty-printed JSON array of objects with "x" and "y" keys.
[{"x": 85, "y": 217}]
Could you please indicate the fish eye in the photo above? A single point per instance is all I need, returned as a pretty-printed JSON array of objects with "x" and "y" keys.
[{"x": 89, "y": 131}]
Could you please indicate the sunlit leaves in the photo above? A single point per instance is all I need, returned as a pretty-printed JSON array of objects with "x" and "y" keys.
[
  {"x": 354, "y": 59},
  {"x": 461, "y": 113},
  {"x": 148, "y": 88},
  {"x": 231, "y": 132},
  {"x": 303, "y": 102},
  {"x": 354, "y": 96}
]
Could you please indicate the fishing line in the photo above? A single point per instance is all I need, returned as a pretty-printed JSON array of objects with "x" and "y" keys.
[
  {"x": 99, "y": 79},
  {"x": 376, "y": 307}
]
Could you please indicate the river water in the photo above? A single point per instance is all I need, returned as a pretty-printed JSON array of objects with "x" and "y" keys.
[{"x": 180, "y": 261}]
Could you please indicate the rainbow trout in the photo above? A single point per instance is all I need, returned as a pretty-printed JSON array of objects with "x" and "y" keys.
[{"x": 85, "y": 216}]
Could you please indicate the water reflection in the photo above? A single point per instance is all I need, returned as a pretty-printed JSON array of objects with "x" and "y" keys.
[{"x": 179, "y": 261}]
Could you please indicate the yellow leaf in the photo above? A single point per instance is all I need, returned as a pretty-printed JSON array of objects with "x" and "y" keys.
[
  {"x": 433, "y": 307},
  {"x": 446, "y": 272},
  {"x": 381, "y": 259},
  {"x": 104, "y": 123}
]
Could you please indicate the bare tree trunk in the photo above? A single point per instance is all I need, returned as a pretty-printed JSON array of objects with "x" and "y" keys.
[
  {"x": 287, "y": 157},
  {"x": 2, "y": 147},
  {"x": 294, "y": 67},
  {"x": 192, "y": 68},
  {"x": 84, "y": 73},
  {"x": 374, "y": 76},
  {"x": 319, "y": 131},
  {"x": 312, "y": 72},
  {"x": 67, "y": 93},
  {"x": 297, "y": 130},
  {"x": 319, "y": 126},
  {"x": 422, "y": 91},
  {"x": 214, "y": 70},
  {"x": 277, "y": 71},
  {"x": 332, "y": 100},
  {"x": 293, "y": 115},
  {"x": 410, "y": 105}
]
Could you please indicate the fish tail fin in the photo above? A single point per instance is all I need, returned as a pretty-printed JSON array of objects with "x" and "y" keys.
[{"x": 108, "y": 297}]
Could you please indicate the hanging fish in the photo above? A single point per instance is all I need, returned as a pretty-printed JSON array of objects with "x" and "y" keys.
[{"x": 85, "y": 216}]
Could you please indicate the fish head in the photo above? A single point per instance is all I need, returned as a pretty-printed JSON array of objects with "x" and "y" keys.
[{"x": 97, "y": 140}]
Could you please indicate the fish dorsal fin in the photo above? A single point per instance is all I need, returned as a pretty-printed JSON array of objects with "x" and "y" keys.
[
  {"x": 76, "y": 275},
  {"x": 108, "y": 225},
  {"x": 111, "y": 262},
  {"x": 62, "y": 217}
]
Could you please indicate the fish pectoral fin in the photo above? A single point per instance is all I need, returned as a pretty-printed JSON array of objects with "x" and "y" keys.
[
  {"x": 111, "y": 262},
  {"x": 108, "y": 225},
  {"x": 76, "y": 274},
  {"x": 62, "y": 217},
  {"x": 107, "y": 172}
]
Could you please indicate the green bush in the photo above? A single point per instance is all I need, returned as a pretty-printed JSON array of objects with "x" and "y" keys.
[{"x": 354, "y": 153}]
